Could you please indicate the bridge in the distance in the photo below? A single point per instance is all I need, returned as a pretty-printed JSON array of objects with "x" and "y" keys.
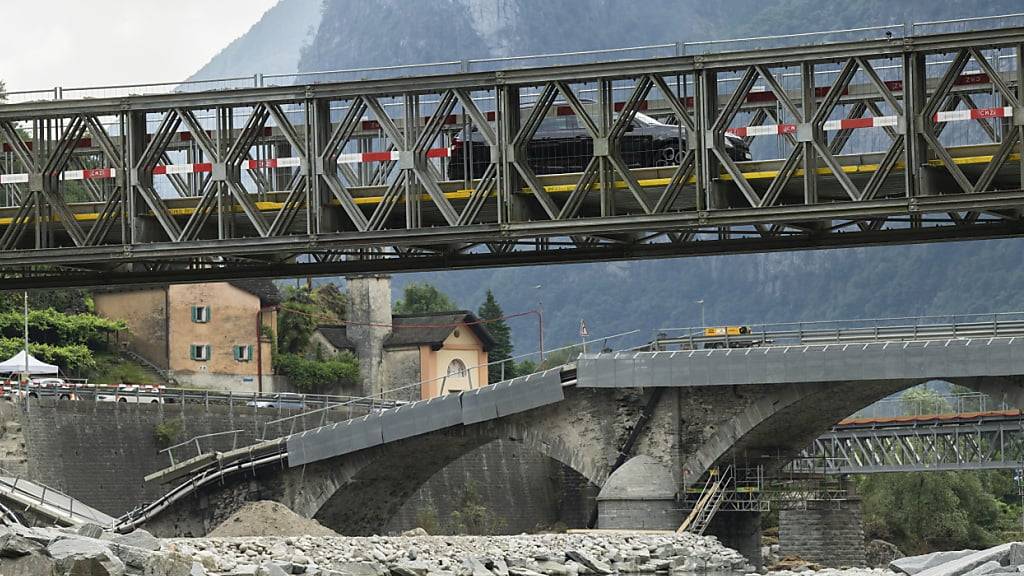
[{"x": 887, "y": 138}]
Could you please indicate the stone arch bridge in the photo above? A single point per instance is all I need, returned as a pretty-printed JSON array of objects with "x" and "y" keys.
[{"x": 685, "y": 410}]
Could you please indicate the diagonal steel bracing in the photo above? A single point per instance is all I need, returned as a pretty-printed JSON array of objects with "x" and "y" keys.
[{"x": 355, "y": 176}]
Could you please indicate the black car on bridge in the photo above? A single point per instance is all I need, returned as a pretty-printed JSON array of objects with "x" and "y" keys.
[{"x": 562, "y": 145}]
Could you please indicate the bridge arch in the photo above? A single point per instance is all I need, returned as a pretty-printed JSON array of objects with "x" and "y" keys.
[
  {"x": 358, "y": 493},
  {"x": 784, "y": 422}
]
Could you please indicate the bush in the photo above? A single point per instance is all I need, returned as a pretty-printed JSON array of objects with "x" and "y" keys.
[
  {"x": 166, "y": 433},
  {"x": 316, "y": 376},
  {"x": 73, "y": 358},
  {"x": 473, "y": 517},
  {"x": 426, "y": 518}
]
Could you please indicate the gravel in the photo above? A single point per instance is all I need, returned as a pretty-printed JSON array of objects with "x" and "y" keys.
[
  {"x": 266, "y": 518},
  {"x": 524, "y": 555}
]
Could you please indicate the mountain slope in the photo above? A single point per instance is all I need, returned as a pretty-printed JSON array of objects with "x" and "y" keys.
[{"x": 271, "y": 46}]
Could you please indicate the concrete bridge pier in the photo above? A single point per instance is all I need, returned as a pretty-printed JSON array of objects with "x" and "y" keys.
[
  {"x": 829, "y": 533},
  {"x": 643, "y": 495}
]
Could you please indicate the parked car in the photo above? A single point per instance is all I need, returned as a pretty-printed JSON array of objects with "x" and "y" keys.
[
  {"x": 284, "y": 400},
  {"x": 562, "y": 145},
  {"x": 133, "y": 394}
]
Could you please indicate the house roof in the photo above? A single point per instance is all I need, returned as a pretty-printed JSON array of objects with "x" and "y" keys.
[
  {"x": 433, "y": 329},
  {"x": 263, "y": 289},
  {"x": 416, "y": 330},
  {"x": 337, "y": 336}
]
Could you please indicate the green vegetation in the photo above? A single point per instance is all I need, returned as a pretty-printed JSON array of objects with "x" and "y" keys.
[
  {"x": 318, "y": 375},
  {"x": 923, "y": 512},
  {"x": 166, "y": 433},
  {"x": 502, "y": 350},
  {"x": 70, "y": 338},
  {"x": 930, "y": 511},
  {"x": 302, "y": 310},
  {"x": 426, "y": 518},
  {"x": 470, "y": 517},
  {"x": 423, "y": 299},
  {"x": 113, "y": 369}
]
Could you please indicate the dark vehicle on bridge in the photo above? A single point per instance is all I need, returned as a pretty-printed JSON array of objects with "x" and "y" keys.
[{"x": 562, "y": 145}]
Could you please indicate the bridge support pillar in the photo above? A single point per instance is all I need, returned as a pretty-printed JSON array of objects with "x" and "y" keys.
[
  {"x": 740, "y": 531},
  {"x": 640, "y": 495},
  {"x": 827, "y": 532}
]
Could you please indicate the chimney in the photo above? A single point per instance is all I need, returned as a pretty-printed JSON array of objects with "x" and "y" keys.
[{"x": 370, "y": 313}]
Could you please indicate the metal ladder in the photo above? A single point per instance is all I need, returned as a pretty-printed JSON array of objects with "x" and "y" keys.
[{"x": 707, "y": 505}]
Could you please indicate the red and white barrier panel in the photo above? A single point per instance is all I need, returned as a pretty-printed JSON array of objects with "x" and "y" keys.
[
  {"x": 830, "y": 126},
  {"x": 769, "y": 130},
  {"x": 183, "y": 168},
  {"x": 291, "y": 162},
  {"x": 856, "y": 123},
  {"x": 974, "y": 114},
  {"x": 394, "y": 155},
  {"x": 92, "y": 174}
]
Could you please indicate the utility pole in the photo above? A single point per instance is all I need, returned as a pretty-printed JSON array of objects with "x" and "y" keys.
[
  {"x": 703, "y": 320},
  {"x": 540, "y": 321}
]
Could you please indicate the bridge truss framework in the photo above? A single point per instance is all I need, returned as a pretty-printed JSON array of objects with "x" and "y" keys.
[{"x": 349, "y": 177}]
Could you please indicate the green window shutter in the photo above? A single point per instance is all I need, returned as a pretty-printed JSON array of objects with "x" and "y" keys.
[
  {"x": 195, "y": 314},
  {"x": 192, "y": 349},
  {"x": 250, "y": 353},
  {"x": 208, "y": 316},
  {"x": 208, "y": 352}
]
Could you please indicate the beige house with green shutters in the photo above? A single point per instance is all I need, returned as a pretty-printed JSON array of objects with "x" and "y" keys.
[{"x": 205, "y": 335}]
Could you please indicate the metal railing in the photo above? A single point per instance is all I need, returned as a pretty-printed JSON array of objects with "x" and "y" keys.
[
  {"x": 23, "y": 491},
  {"x": 199, "y": 449},
  {"x": 1000, "y": 324},
  {"x": 966, "y": 403},
  {"x": 418, "y": 386},
  {"x": 259, "y": 80}
]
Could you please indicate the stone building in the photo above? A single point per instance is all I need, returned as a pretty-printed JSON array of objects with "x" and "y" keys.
[
  {"x": 443, "y": 352},
  {"x": 205, "y": 335}
]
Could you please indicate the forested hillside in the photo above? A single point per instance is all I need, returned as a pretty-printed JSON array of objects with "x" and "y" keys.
[{"x": 614, "y": 297}]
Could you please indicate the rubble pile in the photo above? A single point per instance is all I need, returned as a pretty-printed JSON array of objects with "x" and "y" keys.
[{"x": 90, "y": 551}]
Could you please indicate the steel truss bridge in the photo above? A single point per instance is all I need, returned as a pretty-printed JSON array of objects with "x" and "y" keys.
[
  {"x": 893, "y": 140},
  {"x": 980, "y": 441},
  {"x": 991, "y": 440}
]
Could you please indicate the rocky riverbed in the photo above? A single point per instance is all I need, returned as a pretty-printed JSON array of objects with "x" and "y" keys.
[{"x": 90, "y": 551}]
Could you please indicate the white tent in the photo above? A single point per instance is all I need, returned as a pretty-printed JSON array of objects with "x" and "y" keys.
[{"x": 16, "y": 363}]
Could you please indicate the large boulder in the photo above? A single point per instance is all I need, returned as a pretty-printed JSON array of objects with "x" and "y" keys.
[
  {"x": 31, "y": 565},
  {"x": 14, "y": 546},
  {"x": 912, "y": 565},
  {"x": 1016, "y": 557},
  {"x": 963, "y": 565},
  {"x": 989, "y": 567},
  {"x": 85, "y": 557},
  {"x": 139, "y": 539},
  {"x": 879, "y": 553}
]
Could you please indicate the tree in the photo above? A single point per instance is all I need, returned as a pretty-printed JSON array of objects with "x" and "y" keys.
[
  {"x": 922, "y": 512},
  {"x": 502, "y": 349},
  {"x": 920, "y": 400},
  {"x": 296, "y": 321},
  {"x": 423, "y": 299},
  {"x": 66, "y": 300}
]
